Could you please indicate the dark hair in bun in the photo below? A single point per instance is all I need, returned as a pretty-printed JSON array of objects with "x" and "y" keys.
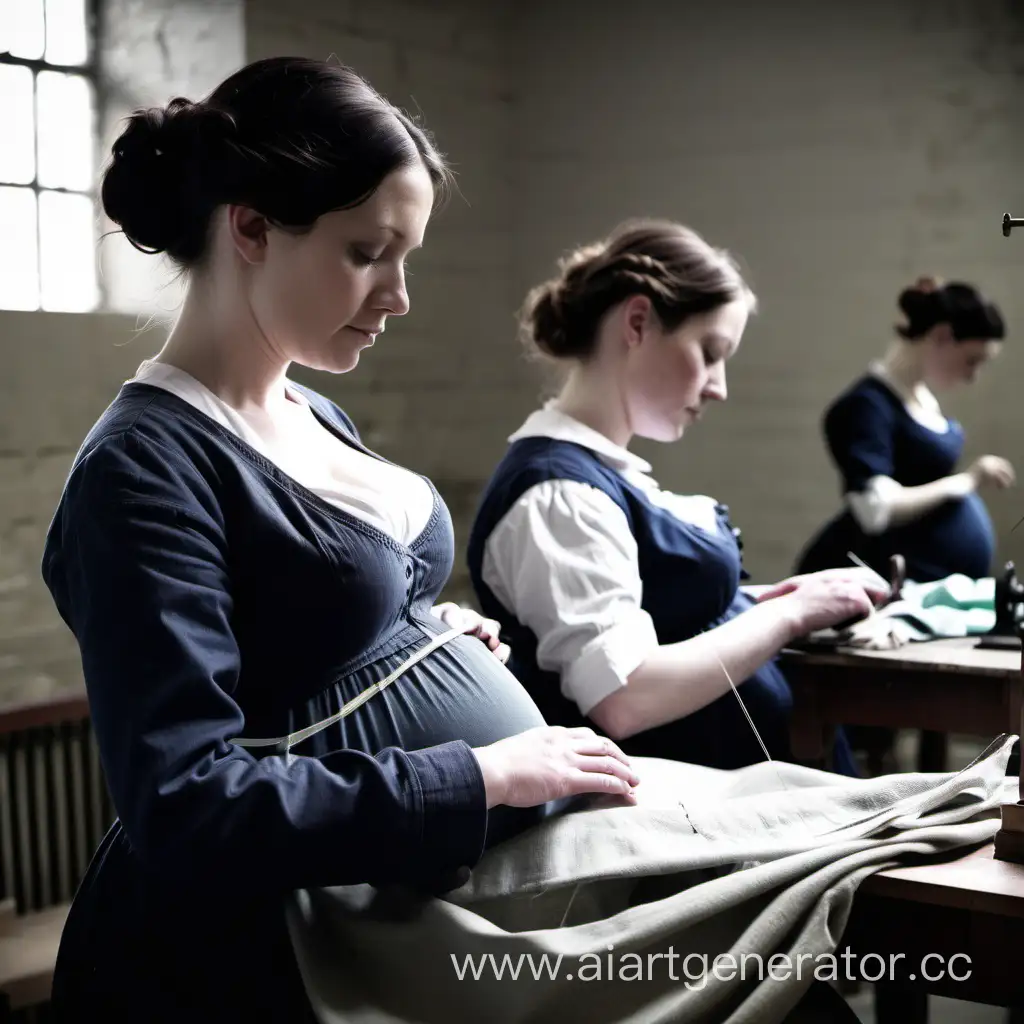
[
  {"x": 969, "y": 314},
  {"x": 289, "y": 137},
  {"x": 672, "y": 265}
]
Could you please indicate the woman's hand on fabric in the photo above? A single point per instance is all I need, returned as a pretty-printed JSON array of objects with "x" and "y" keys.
[
  {"x": 552, "y": 762},
  {"x": 474, "y": 624},
  {"x": 877, "y": 588},
  {"x": 820, "y": 601}
]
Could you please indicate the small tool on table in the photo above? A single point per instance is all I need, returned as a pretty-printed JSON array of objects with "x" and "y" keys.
[
  {"x": 897, "y": 575},
  {"x": 835, "y": 636}
]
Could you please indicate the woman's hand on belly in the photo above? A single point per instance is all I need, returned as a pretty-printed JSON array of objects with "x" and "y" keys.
[
  {"x": 550, "y": 763},
  {"x": 473, "y": 623}
]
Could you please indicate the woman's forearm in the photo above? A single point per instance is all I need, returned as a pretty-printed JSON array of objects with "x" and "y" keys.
[
  {"x": 677, "y": 679},
  {"x": 909, "y": 503}
]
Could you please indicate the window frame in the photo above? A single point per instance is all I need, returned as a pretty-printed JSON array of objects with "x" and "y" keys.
[{"x": 90, "y": 71}]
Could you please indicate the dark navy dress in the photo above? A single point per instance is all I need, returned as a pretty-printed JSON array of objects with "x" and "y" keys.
[
  {"x": 213, "y": 598},
  {"x": 871, "y": 433},
  {"x": 691, "y": 581}
]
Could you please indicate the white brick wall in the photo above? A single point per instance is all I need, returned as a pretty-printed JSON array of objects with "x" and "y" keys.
[
  {"x": 840, "y": 149},
  {"x": 59, "y": 372}
]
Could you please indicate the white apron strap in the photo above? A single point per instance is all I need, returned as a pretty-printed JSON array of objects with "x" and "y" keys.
[{"x": 283, "y": 744}]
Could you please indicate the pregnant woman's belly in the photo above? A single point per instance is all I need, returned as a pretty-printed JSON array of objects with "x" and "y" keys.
[
  {"x": 458, "y": 692},
  {"x": 957, "y": 537}
]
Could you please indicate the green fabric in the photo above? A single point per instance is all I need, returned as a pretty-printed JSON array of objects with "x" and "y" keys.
[
  {"x": 955, "y": 606},
  {"x": 956, "y": 591},
  {"x": 751, "y": 863}
]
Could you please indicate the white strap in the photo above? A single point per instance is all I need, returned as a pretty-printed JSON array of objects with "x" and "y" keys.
[{"x": 285, "y": 743}]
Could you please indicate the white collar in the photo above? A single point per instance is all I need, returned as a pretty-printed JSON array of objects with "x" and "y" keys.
[
  {"x": 920, "y": 394},
  {"x": 549, "y": 421},
  {"x": 153, "y": 370}
]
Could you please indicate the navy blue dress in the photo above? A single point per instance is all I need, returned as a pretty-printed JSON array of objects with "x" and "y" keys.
[
  {"x": 212, "y": 598},
  {"x": 870, "y": 433},
  {"x": 691, "y": 583}
]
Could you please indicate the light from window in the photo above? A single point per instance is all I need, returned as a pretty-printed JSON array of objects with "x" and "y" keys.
[
  {"x": 19, "y": 255},
  {"x": 67, "y": 33},
  {"x": 47, "y": 164},
  {"x": 17, "y": 125},
  {"x": 67, "y": 248},
  {"x": 64, "y": 131},
  {"x": 23, "y": 29}
]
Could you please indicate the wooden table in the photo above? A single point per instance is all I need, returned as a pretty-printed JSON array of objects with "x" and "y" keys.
[
  {"x": 970, "y": 907},
  {"x": 940, "y": 685}
]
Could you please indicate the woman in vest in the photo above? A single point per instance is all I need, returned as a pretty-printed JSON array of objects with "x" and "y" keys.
[{"x": 622, "y": 602}]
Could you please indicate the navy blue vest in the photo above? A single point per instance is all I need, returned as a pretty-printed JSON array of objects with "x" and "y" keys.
[{"x": 691, "y": 583}]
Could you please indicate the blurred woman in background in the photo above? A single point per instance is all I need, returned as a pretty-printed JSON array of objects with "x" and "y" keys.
[{"x": 897, "y": 452}]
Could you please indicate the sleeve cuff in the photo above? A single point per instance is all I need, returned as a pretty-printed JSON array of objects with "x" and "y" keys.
[
  {"x": 871, "y": 506},
  {"x": 454, "y": 807},
  {"x": 605, "y": 664}
]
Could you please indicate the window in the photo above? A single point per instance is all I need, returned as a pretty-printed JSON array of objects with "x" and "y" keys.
[{"x": 47, "y": 156}]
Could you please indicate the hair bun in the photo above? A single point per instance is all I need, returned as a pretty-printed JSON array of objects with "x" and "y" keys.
[
  {"x": 548, "y": 313},
  {"x": 930, "y": 301},
  {"x": 153, "y": 182},
  {"x": 545, "y": 321}
]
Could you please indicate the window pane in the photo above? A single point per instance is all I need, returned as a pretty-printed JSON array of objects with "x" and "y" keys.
[
  {"x": 17, "y": 125},
  {"x": 22, "y": 30},
  {"x": 67, "y": 37},
  {"x": 19, "y": 260},
  {"x": 67, "y": 239},
  {"x": 64, "y": 115}
]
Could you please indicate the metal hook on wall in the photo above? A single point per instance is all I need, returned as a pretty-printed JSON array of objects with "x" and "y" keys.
[{"x": 1009, "y": 223}]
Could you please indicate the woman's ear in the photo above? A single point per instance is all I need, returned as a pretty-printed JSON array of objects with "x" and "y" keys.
[
  {"x": 942, "y": 334},
  {"x": 248, "y": 233},
  {"x": 637, "y": 315}
]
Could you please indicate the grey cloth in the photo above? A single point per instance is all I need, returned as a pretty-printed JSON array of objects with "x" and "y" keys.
[{"x": 748, "y": 864}]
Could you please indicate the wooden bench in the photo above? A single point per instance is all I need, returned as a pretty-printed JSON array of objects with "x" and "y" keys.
[{"x": 54, "y": 809}]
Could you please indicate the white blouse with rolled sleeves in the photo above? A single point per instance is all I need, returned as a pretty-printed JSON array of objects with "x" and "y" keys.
[{"x": 565, "y": 559}]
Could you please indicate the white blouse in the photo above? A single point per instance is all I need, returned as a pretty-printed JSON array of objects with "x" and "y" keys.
[
  {"x": 564, "y": 558},
  {"x": 395, "y": 500}
]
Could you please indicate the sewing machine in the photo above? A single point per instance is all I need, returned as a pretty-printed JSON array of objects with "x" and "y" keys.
[{"x": 1009, "y": 609}]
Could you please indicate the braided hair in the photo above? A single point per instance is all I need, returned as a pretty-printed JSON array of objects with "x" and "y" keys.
[{"x": 681, "y": 274}]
